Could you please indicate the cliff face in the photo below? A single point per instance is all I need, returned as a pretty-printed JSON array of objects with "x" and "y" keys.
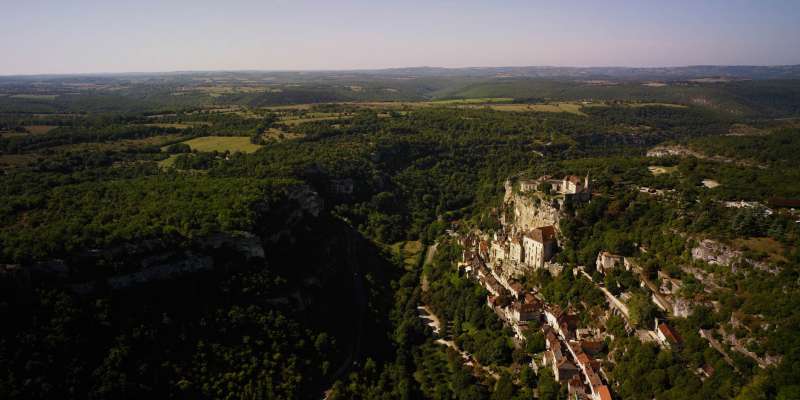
[{"x": 530, "y": 210}]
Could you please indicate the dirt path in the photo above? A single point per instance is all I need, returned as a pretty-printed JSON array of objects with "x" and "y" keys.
[
  {"x": 430, "y": 253},
  {"x": 430, "y": 319},
  {"x": 709, "y": 336},
  {"x": 470, "y": 361}
]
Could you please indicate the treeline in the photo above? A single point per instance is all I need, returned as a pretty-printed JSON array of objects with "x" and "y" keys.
[{"x": 73, "y": 135}]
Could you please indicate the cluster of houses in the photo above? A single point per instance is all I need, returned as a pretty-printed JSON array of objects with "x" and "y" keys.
[
  {"x": 496, "y": 261},
  {"x": 569, "y": 351},
  {"x": 571, "y": 354}
]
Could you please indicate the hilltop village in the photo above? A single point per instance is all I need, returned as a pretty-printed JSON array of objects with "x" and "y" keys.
[{"x": 526, "y": 242}]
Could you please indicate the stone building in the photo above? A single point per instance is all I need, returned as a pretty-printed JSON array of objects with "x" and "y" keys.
[
  {"x": 607, "y": 262},
  {"x": 539, "y": 245}
]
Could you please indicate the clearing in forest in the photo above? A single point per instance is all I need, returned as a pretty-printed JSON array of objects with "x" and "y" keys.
[
  {"x": 658, "y": 170},
  {"x": 39, "y": 129},
  {"x": 565, "y": 107},
  {"x": 410, "y": 251},
  {"x": 222, "y": 144}
]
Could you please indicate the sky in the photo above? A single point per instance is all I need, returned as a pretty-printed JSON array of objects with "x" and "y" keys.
[{"x": 92, "y": 36}]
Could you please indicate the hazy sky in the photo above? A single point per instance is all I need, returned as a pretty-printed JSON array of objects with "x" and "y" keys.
[{"x": 65, "y": 36}]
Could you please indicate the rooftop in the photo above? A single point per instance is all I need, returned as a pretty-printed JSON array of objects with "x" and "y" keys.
[{"x": 668, "y": 333}]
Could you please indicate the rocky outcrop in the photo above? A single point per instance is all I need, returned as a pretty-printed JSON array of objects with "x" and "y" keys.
[
  {"x": 674, "y": 150},
  {"x": 530, "y": 211},
  {"x": 309, "y": 201},
  {"x": 243, "y": 243},
  {"x": 716, "y": 253},
  {"x": 182, "y": 264},
  {"x": 683, "y": 151}
]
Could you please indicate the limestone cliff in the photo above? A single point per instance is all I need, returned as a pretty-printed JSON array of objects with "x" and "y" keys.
[{"x": 530, "y": 210}]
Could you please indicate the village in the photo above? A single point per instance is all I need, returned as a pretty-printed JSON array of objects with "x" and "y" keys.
[{"x": 527, "y": 242}]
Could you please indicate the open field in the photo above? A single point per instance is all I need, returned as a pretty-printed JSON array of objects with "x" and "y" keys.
[
  {"x": 168, "y": 162},
  {"x": 222, "y": 144},
  {"x": 482, "y": 100},
  {"x": 566, "y": 107},
  {"x": 411, "y": 251},
  {"x": 658, "y": 170},
  {"x": 39, "y": 129},
  {"x": 766, "y": 245}
]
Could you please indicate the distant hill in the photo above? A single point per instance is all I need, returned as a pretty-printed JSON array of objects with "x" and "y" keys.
[
  {"x": 626, "y": 73},
  {"x": 616, "y": 73}
]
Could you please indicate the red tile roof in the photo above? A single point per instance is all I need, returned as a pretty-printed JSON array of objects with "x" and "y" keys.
[
  {"x": 671, "y": 335},
  {"x": 583, "y": 359},
  {"x": 603, "y": 392}
]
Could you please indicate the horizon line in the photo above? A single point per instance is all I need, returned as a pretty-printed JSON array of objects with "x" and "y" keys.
[{"x": 362, "y": 70}]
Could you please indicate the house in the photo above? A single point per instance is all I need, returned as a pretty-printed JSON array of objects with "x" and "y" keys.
[
  {"x": 515, "y": 288},
  {"x": 592, "y": 377},
  {"x": 520, "y": 329},
  {"x": 483, "y": 250},
  {"x": 565, "y": 370},
  {"x": 551, "y": 314},
  {"x": 607, "y": 262},
  {"x": 576, "y": 389},
  {"x": 530, "y": 297},
  {"x": 666, "y": 335},
  {"x": 539, "y": 245},
  {"x": 553, "y": 356},
  {"x": 528, "y": 185},
  {"x": 524, "y": 312},
  {"x": 516, "y": 252},
  {"x": 551, "y": 340},
  {"x": 499, "y": 250},
  {"x": 587, "y": 333},
  {"x": 492, "y": 285},
  {"x": 572, "y": 187},
  {"x": 601, "y": 393},
  {"x": 592, "y": 347},
  {"x": 566, "y": 324}
]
